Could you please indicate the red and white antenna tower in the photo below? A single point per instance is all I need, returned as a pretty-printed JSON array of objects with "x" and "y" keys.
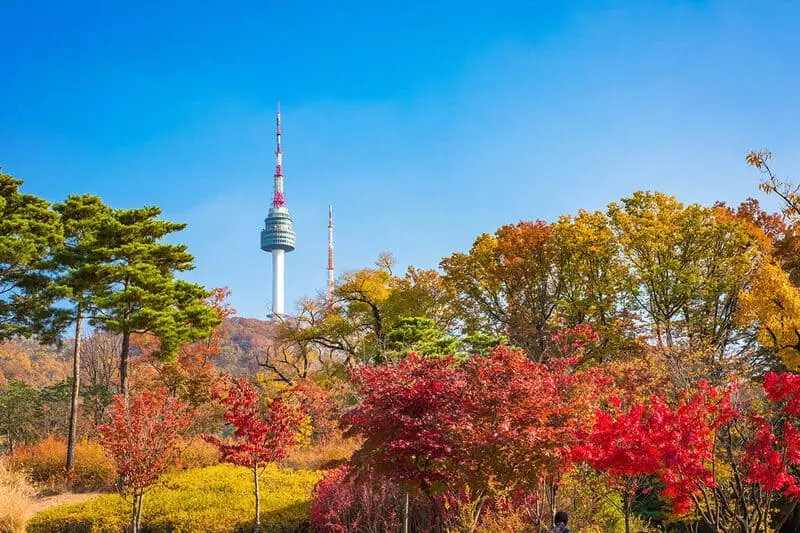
[
  {"x": 330, "y": 255},
  {"x": 277, "y": 198}
]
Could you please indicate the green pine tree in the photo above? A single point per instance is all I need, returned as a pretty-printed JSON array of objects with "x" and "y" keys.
[
  {"x": 78, "y": 262},
  {"x": 142, "y": 294},
  {"x": 29, "y": 230}
]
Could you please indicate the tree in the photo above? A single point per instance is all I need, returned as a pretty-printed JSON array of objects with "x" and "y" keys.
[
  {"x": 788, "y": 192},
  {"x": 20, "y": 412},
  {"x": 773, "y": 456},
  {"x": 772, "y": 303},
  {"x": 419, "y": 335},
  {"x": 78, "y": 260},
  {"x": 142, "y": 294},
  {"x": 100, "y": 370},
  {"x": 369, "y": 304},
  {"x": 261, "y": 436},
  {"x": 496, "y": 422},
  {"x": 191, "y": 375},
  {"x": 140, "y": 438},
  {"x": 653, "y": 439},
  {"x": 509, "y": 283},
  {"x": 686, "y": 266},
  {"x": 29, "y": 230}
]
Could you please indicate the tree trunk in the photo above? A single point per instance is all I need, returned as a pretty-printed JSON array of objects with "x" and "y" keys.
[
  {"x": 123, "y": 363},
  {"x": 135, "y": 511},
  {"x": 76, "y": 383},
  {"x": 626, "y": 502},
  {"x": 257, "y": 494},
  {"x": 405, "y": 514},
  {"x": 139, "y": 511}
]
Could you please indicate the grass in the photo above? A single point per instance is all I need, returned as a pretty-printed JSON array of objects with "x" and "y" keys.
[
  {"x": 322, "y": 456},
  {"x": 16, "y": 499},
  {"x": 215, "y": 499}
]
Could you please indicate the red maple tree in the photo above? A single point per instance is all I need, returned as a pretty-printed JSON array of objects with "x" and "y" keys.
[
  {"x": 774, "y": 453},
  {"x": 141, "y": 438},
  {"x": 262, "y": 435},
  {"x": 654, "y": 439},
  {"x": 443, "y": 425}
]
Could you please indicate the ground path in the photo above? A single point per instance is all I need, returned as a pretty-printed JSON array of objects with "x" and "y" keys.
[{"x": 46, "y": 502}]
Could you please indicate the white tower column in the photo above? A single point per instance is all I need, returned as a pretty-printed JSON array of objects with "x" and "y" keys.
[{"x": 277, "y": 282}]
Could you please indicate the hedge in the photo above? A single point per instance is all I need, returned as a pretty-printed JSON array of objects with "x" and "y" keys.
[{"x": 215, "y": 499}]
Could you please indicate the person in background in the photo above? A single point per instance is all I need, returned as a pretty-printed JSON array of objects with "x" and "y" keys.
[{"x": 560, "y": 521}]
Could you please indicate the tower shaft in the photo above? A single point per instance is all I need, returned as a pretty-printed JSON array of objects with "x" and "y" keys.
[{"x": 278, "y": 282}]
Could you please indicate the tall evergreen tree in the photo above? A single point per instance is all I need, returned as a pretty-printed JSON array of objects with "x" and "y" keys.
[
  {"x": 29, "y": 229},
  {"x": 141, "y": 294},
  {"x": 78, "y": 261}
]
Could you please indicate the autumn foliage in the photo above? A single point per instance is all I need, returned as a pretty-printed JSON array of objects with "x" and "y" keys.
[
  {"x": 672, "y": 443},
  {"x": 486, "y": 424},
  {"x": 773, "y": 455},
  {"x": 141, "y": 439},
  {"x": 262, "y": 434}
]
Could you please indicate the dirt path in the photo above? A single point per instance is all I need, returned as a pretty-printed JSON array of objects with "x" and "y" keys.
[{"x": 46, "y": 502}]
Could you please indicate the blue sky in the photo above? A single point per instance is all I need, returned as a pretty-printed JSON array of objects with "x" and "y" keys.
[{"x": 423, "y": 123}]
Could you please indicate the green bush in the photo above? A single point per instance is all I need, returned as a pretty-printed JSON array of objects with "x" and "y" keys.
[{"x": 216, "y": 499}]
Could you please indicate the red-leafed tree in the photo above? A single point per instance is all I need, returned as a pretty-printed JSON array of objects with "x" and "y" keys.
[
  {"x": 773, "y": 456},
  {"x": 439, "y": 424},
  {"x": 672, "y": 443},
  {"x": 262, "y": 433},
  {"x": 141, "y": 437}
]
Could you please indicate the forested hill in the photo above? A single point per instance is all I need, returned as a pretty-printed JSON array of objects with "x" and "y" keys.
[{"x": 241, "y": 342}]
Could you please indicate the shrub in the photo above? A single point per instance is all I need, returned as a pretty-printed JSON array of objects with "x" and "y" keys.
[
  {"x": 46, "y": 459},
  {"x": 196, "y": 453},
  {"x": 321, "y": 409},
  {"x": 345, "y": 504},
  {"x": 16, "y": 498},
  {"x": 326, "y": 456},
  {"x": 215, "y": 499}
]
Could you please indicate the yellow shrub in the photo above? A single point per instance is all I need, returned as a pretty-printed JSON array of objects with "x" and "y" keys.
[
  {"x": 16, "y": 498},
  {"x": 215, "y": 499},
  {"x": 45, "y": 461},
  {"x": 302, "y": 437}
]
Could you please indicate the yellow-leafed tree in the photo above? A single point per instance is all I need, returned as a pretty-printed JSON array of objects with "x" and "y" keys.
[{"x": 773, "y": 304}]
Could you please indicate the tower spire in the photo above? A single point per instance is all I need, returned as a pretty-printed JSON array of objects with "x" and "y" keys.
[
  {"x": 277, "y": 197},
  {"x": 330, "y": 255}
]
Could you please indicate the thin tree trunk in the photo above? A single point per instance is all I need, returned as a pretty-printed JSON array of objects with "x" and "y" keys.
[
  {"x": 139, "y": 511},
  {"x": 135, "y": 512},
  {"x": 76, "y": 383},
  {"x": 627, "y": 503},
  {"x": 405, "y": 514},
  {"x": 258, "y": 498},
  {"x": 123, "y": 363}
]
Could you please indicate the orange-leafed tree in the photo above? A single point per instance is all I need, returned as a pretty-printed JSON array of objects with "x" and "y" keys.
[
  {"x": 262, "y": 433},
  {"x": 141, "y": 438},
  {"x": 191, "y": 374}
]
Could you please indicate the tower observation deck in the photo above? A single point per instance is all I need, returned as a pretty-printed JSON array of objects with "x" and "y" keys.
[{"x": 277, "y": 237}]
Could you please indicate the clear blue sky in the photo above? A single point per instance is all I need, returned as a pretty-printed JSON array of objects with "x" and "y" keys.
[{"x": 424, "y": 123}]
